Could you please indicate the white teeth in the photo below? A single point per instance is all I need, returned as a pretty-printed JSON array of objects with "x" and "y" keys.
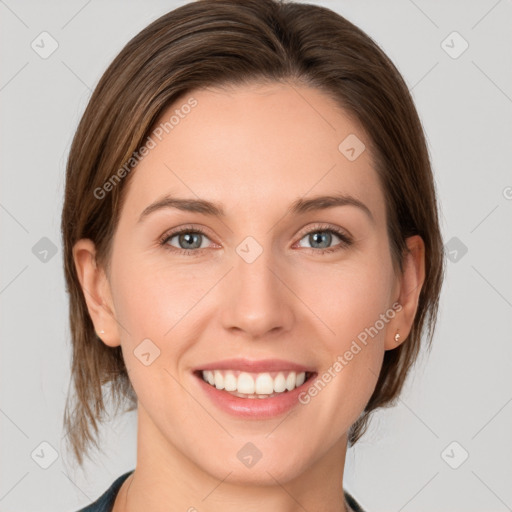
[
  {"x": 245, "y": 384},
  {"x": 264, "y": 384},
  {"x": 219, "y": 380},
  {"x": 230, "y": 382},
  {"x": 255, "y": 385},
  {"x": 279, "y": 383},
  {"x": 290, "y": 381},
  {"x": 301, "y": 377}
]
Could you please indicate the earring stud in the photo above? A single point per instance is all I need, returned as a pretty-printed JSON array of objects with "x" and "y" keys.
[{"x": 397, "y": 336}]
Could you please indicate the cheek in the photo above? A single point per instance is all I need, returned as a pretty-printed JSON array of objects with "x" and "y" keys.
[
  {"x": 355, "y": 304},
  {"x": 152, "y": 305},
  {"x": 353, "y": 358},
  {"x": 151, "y": 298},
  {"x": 348, "y": 298},
  {"x": 157, "y": 303}
]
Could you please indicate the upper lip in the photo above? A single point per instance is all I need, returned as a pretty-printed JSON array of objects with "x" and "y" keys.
[{"x": 259, "y": 366}]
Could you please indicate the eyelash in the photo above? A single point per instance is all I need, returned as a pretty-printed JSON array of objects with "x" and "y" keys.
[{"x": 346, "y": 241}]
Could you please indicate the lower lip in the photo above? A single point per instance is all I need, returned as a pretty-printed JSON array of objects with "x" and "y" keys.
[{"x": 254, "y": 408}]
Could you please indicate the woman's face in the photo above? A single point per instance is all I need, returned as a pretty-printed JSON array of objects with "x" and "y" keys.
[{"x": 253, "y": 297}]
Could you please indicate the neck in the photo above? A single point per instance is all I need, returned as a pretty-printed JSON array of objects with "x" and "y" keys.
[{"x": 166, "y": 480}]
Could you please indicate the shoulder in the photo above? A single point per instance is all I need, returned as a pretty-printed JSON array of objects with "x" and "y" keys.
[{"x": 106, "y": 501}]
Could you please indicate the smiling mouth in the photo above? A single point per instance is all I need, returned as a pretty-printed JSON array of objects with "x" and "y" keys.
[{"x": 254, "y": 385}]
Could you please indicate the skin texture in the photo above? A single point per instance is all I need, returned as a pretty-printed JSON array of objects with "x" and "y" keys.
[{"x": 254, "y": 150}]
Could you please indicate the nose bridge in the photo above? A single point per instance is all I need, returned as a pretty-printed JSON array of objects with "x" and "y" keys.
[{"x": 255, "y": 301}]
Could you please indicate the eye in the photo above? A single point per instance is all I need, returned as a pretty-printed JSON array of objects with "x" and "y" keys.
[
  {"x": 191, "y": 240},
  {"x": 187, "y": 240},
  {"x": 321, "y": 238}
]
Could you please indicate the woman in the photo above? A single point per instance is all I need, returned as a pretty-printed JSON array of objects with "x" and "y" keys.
[{"x": 252, "y": 253}]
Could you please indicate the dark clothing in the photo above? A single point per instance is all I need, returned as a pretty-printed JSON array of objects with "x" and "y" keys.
[{"x": 105, "y": 502}]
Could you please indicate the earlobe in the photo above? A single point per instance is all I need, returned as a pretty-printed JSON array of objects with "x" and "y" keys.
[
  {"x": 411, "y": 283},
  {"x": 96, "y": 290}
]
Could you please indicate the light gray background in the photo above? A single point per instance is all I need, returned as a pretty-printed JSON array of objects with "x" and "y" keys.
[{"x": 461, "y": 392}]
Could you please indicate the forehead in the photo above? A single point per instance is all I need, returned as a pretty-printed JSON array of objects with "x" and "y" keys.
[{"x": 258, "y": 147}]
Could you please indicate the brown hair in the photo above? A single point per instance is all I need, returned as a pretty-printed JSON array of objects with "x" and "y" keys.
[{"x": 218, "y": 43}]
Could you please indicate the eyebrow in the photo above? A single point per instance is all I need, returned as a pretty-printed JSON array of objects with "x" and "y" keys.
[{"x": 300, "y": 206}]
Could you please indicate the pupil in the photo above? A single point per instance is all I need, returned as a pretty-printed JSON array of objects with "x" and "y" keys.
[
  {"x": 326, "y": 236},
  {"x": 188, "y": 239}
]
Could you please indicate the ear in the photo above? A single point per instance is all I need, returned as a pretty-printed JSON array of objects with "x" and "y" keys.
[
  {"x": 96, "y": 289},
  {"x": 411, "y": 283}
]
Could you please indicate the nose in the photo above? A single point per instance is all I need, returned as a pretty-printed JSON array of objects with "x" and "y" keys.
[{"x": 255, "y": 299}]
